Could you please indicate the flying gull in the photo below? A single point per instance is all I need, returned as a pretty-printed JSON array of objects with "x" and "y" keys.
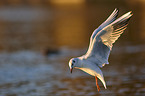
[{"x": 101, "y": 43}]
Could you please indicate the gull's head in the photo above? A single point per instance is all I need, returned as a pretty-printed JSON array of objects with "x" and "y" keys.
[{"x": 73, "y": 63}]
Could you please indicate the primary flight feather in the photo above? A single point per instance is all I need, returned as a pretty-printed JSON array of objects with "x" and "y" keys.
[{"x": 101, "y": 43}]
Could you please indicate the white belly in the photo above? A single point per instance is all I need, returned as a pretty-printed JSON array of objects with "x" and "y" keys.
[
  {"x": 94, "y": 73},
  {"x": 89, "y": 71}
]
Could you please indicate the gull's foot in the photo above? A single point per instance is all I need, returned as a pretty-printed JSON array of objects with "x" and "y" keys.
[{"x": 97, "y": 84}]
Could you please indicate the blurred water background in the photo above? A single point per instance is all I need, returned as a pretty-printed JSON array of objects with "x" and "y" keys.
[{"x": 38, "y": 37}]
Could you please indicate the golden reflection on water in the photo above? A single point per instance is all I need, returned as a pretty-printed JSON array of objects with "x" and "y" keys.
[
  {"x": 55, "y": 26},
  {"x": 70, "y": 28}
]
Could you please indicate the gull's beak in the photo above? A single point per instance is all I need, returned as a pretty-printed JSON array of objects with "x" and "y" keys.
[{"x": 71, "y": 70}]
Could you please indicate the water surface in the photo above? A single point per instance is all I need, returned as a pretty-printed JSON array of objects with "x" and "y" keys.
[{"x": 36, "y": 43}]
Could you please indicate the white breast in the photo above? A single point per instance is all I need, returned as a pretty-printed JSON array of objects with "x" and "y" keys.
[{"x": 89, "y": 71}]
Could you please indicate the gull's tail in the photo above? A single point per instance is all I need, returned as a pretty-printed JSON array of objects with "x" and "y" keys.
[{"x": 100, "y": 76}]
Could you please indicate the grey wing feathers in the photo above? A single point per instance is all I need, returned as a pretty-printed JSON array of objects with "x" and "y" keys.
[
  {"x": 113, "y": 31},
  {"x": 109, "y": 20},
  {"x": 104, "y": 39}
]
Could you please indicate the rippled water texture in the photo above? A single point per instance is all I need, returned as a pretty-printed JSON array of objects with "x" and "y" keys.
[{"x": 37, "y": 39}]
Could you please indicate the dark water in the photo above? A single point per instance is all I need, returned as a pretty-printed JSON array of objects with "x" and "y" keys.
[{"x": 36, "y": 43}]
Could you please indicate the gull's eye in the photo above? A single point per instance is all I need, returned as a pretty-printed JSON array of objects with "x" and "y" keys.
[{"x": 73, "y": 61}]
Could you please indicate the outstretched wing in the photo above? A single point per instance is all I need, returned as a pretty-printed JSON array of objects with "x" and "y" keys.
[
  {"x": 104, "y": 39},
  {"x": 109, "y": 20}
]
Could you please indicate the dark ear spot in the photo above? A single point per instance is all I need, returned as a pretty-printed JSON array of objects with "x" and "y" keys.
[{"x": 73, "y": 61}]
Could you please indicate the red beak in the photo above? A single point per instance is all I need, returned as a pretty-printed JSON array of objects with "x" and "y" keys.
[{"x": 71, "y": 70}]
